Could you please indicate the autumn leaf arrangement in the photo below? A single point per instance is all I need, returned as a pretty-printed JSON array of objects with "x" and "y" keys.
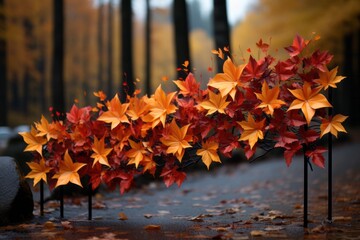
[{"x": 263, "y": 103}]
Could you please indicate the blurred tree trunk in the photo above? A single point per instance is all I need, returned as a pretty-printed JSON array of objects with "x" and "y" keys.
[
  {"x": 127, "y": 83},
  {"x": 348, "y": 88},
  {"x": 58, "y": 99},
  {"x": 3, "y": 82},
  {"x": 181, "y": 35},
  {"x": 110, "y": 49},
  {"x": 100, "y": 45},
  {"x": 148, "y": 49},
  {"x": 86, "y": 61},
  {"x": 221, "y": 28}
]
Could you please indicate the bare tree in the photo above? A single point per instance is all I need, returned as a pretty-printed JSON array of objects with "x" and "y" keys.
[
  {"x": 58, "y": 99},
  {"x": 148, "y": 49},
  {"x": 127, "y": 83},
  {"x": 3, "y": 82},
  {"x": 221, "y": 28},
  {"x": 110, "y": 49},
  {"x": 100, "y": 44},
  {"x": 181, "y": 34}
]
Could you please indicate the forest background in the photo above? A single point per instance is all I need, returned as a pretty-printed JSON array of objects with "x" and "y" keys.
[{"x": 94, "y": 54}]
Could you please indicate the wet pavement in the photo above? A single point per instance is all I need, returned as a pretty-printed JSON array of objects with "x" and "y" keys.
[{"x": 260, "y": 200}]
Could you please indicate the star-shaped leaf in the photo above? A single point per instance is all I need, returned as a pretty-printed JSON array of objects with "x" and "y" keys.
[
  {"x": 136, "y": 153},
  {"x": 100, "y": 152},
  {"x": 208, "y": 153},
  {"x": 269, "y": 98},
  {"x": 329, "y": 78},
  {"x": 333, "y": 125},
  {"x": 308, "y": 100},
  {"x": 38, "y": 171},
  {"x": 189, "y": 87},
  {"x": 228, "y": 81},
  {"x": 253, "y": 131},
  {"x": 68, "y": 171},
  {"x": 216, "y": 103},
  {"x": 177, "y": 140},
  {"x": 137, "y": 108},
  {"x": 34, "y": 142},
  {"x": 116, "y": 113},
  {"x": 160, "y": 106}
]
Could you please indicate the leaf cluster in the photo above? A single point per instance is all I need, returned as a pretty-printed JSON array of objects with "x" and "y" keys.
[{"x": 266, "y": 103}]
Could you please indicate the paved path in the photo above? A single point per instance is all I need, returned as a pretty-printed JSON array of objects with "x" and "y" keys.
[{"x": 261, "y": 200}]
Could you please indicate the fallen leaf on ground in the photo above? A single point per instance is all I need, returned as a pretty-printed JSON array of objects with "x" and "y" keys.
[
  {"x": 152, "y": 227},
  {"x": 67, "y": 225},
  {"x": 258, "y": 233},
  {"x": 273, "y": 228},
  {"x": 122, "y": 216}
]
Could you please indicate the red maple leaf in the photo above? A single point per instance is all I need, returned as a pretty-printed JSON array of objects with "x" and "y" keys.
[
  {"x": 254, "y": 69},
  {"x": 263, "y": 46},
  {"x": 172, "y": 176},
  {"x": 291, "y": 150},
  {"x": 285, "y": 138},
  {"x": 286, "y": 69},
  {"x": 319, "y": 59},
  {"x": 78, "y": 116},
  {"x": 297, "y": 46},
  {"x": 316, "y": 156}
]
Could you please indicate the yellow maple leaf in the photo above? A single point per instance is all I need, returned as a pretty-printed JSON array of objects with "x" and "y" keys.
[
  {"x": 216, "y": 103},
  {"x": 308, "y": 100},
  {"x": 68, "y": 171},
  {"x": 269, "y": 98},
  {"x": 333, "y": 125},
  {"x": 137, "y": 153},
  {"x": 228, "y": 81},
  {"x": 177, "y": 140},
  {"x": 329, "y": 78},
  {"x": 116, "y": 113},
  {"x": 253, "y": 131},
  {"x": 34, "y": 142},
  {"x": 160, "y": 106},
  {"x": 38, "y": 171},
  {"x": 100, "y": 152},
  {"x": 208, "y": 153}
]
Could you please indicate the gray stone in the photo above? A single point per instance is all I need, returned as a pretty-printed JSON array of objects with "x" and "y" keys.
[{"x": 16, "y": 201}]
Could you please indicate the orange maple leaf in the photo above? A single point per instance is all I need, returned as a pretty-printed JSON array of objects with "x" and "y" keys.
[
  {"x": 137, "y": 153},
  {"x": 269, "y": 98},
  {"x": 45, "y": 129},
  {"x": 308, "y": 100},
  {"x": 160, "y": 107},
  {"x": 34, "y": 142},
  {"x": 208, "y": 153},
  {"x": 101, "y": 95},
  {"x": 228, "y": 81},
  {"x": 177, "y": 140},
  {"x": 116, "y": 113},
  {"x": 333, "y": 125},
  {"x": 68, "y": 171},
  {"x": 38, "y": 171},
  {"x": 216, "y": 103},
  {"x": 329, "y": 78},
  {"x": 253, "y": 131},
  {"x": 100, "y": 152},
  {"x": 137, "y": 108}
]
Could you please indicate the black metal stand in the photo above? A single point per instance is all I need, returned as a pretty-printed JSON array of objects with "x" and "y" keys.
[
  {"x": 61, "y": 202},
  {"x": 90, "y": 202},
  {"x": 41, "y": 197},
  {"x": 330, "y": 164},
  {"x": 306, "y": 159}
]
